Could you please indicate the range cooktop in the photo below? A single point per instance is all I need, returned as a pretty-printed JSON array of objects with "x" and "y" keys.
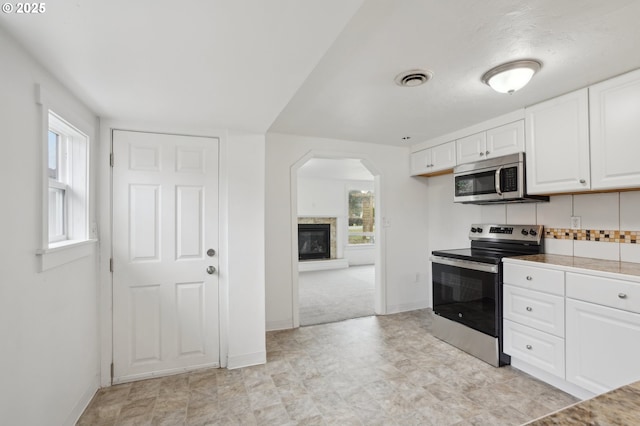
[
  {"x": 477, "y": 254},
  {"x": 490, "y": 243}
]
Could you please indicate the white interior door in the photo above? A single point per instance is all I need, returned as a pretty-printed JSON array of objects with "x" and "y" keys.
[{"x": 165, "y": 222}]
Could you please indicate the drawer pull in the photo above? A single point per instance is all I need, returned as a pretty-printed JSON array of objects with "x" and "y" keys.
[
  {"x": 529, "y": 347},
  {"x": 622, "y": 295},
  {"x": 529, "y": 308},
  {"x": 529, "y": 277}
]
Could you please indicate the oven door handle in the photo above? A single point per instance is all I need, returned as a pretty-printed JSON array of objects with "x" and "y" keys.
[{"x": 466, "y": 264}]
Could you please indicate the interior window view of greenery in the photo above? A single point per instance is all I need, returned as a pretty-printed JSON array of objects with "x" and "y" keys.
[{"x": 361, "y": 217}]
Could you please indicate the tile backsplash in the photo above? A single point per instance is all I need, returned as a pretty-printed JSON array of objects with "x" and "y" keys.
[
  {"x": 610, "y": 223},
  {"x": 605, "y": 236}
]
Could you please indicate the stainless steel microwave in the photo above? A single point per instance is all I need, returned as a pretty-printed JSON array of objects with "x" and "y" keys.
[{"x": 493, "y": 181}]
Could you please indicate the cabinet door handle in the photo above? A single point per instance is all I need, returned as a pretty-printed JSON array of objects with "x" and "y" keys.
[
  {"x": 529, "y": 347},
  {"x": 529, "y": 308},
  {"x": 481, "y": 154},
  {"x": 529, "y": 277},
  {"x": 583, "y": 181},
  {"x": 622, "y": 295},
  {"x": 487, "y": 152}
]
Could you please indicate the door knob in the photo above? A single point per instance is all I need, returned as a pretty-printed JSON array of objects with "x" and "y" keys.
[
  {"x": 211, "y": 252},
  {"x": 211, "y": 270}
]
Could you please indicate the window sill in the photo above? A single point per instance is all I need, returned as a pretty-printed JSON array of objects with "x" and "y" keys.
[
  {"x": 64, "y": 252},
  {"x": 362, "y": 246}
]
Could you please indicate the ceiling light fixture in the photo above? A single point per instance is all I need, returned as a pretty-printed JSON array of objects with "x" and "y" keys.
[
  {"x": 413, "y": 78},
  {"x": 512, "y": 76}
]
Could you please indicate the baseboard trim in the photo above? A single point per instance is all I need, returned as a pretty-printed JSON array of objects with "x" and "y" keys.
[
  {"x": 405, "y": 307},
  {"x": 551, "y": 379},
  {"x": 163, "y": 373},
  {"x": 322, "y": 265},
  {"x": 279, "y": 325},
  {"x": 246, "y": 360},
  {"x": 84, "y": 402}
]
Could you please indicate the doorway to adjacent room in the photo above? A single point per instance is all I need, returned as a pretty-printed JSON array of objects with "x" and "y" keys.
[{"x": 336, "y": 242}]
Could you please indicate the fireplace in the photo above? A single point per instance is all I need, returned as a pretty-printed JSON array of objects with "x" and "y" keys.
[{"x": 314, "y": 241}]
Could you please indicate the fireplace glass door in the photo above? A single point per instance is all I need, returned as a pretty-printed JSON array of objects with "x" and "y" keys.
[{"x": 314, "y": 241}]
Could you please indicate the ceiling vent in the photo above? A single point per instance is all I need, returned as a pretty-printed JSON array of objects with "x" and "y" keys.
[{"x": 413, "y": 78}]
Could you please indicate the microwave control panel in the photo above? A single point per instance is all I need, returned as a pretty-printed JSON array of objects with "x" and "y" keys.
[{"x": 509, "y": 178}]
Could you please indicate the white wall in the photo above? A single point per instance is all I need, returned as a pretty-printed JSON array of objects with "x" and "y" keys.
[
  {"x": 328, "y": 198},
  {"x": 49, "y": 362},
  {"x": 244, "y": 161},
  {"x": 403, "y": 241}
]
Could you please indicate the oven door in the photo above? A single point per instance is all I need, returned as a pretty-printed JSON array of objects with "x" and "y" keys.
[{"x": 468, "y": 293}]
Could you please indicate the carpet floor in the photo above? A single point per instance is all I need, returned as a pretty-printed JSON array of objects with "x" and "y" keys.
[{"x": 336, "y": 295}]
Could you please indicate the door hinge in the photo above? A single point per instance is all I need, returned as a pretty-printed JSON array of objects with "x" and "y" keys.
[
  {"x": 111, "y": 159},
  {"x": 111, "y": 264}
]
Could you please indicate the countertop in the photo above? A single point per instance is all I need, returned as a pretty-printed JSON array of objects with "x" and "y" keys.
[
  {"x": 617, "y": 407},
  {"x": 606, "y": 268}
]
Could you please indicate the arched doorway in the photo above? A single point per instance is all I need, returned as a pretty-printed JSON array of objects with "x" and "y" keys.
[{"x": 324, "y": 185}]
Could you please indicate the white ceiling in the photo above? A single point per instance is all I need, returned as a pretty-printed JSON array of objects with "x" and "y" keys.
[
  {"x": 204, "y": 63},
  {"x": 323, "y": 68}
]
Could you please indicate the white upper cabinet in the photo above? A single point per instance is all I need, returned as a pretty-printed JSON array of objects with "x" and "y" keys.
[
  {"x": 471, "y": 148},
  {"x": 507, "y": 139},
  {"x": 557, "y": 144},
  {"x": 420, "y": 161},
  {"x": 432, "y": 160},
  {"x": 503, "y": 140},
  {"x": 443, "y": 157},
  {"x": 615, "y": 132}
]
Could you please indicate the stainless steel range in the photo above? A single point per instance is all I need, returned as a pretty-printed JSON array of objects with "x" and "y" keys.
[{"x": 467, "y": 287}]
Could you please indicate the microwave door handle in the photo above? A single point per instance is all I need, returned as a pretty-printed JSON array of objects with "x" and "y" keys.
[{"x": 497, "y": 181}]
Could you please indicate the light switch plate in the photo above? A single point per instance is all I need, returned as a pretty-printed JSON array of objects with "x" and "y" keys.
[{"x": 576, "y": 222}]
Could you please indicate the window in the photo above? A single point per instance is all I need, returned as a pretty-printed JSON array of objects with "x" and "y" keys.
[
  {"x": 361, "y": 217},
  {"x": 65, "y": 196},
  {"x": 67, "y": 182},
  {"x": 57, "y": 188}
]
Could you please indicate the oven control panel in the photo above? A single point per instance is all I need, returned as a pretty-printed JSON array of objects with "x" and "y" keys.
[{"x": 491, "y": 232}]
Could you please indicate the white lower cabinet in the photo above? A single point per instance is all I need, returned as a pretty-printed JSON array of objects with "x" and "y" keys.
[
  {"x": 542, "y": 311},
  {"x": 580, "y": 333},
  {"x": 603, "y": 332},
  {"x": 535, "y": 347},
  {"x": 533, "y": 325},
  {"x": 533, "y": 311},
  {"x": 603, "y": 346}
]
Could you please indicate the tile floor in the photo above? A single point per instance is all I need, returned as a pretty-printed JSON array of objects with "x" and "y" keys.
[
  {"x": 386, "y": 370},
  {"x": 336, "y": 295}
]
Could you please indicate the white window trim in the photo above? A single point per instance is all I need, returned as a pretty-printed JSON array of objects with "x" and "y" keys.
[
  {"x": 54, "y": 254},
  {"x": 64, "y": 252},
  {"x": 348, "y": 245}
]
